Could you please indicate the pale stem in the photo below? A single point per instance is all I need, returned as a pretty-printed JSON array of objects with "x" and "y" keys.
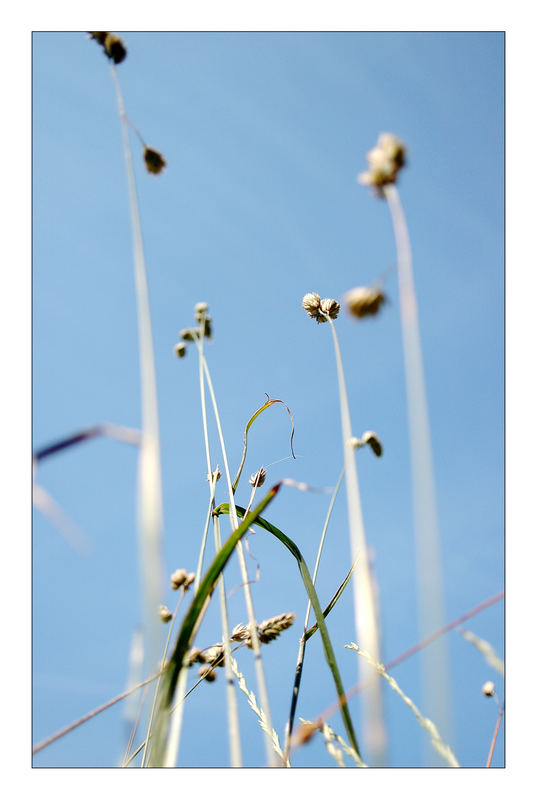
[
  {"x": 149, "y": 475},
  {"x": 260, "y": 674},
  {"x": 430, "y": 583},
  {"x": 364, "y": 601}
]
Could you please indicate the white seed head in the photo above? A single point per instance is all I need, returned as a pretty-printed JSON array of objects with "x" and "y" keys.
[
  {"x": 385, "y": 160},
  {"x": 186, "y": 335},
  {"x": 364, "y": 301},
  {"x": 200, "y": 308},
  {"x": 165, "y": 614},
  {"x": 190, "y": 578},
  {"x": 311, "y": 303},
  {"x": 488, "y": 689},
  {"x": 329, "y": 308},
  {"x": 355, "y": 442},
  {"x": 178, "y": 578},
  {"x": 180, "y": 349}
]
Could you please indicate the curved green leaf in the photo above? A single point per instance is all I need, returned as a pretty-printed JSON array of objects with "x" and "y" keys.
[{"x": 312, "y": 594}]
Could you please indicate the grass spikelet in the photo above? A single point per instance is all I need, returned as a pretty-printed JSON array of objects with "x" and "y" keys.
[
  {"x": 443, "y": 749},
  {"x": 262, "y": 718}
]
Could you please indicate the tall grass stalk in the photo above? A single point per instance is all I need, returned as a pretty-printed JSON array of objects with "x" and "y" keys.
[
  {"x": 149, "y": 474},
  {"x": 435, "y": 669},
  {"x": 365, "y": 615},
  {"x": 260, "y": 674}
]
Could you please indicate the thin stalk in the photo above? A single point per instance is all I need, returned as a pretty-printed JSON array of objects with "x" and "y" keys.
[
  {"x": 494, "y": 736},
  {"x": 126, "y": 758},
  {"x": 233, "y": 712},
  {"x": 157, "y": 687},
  {"x": 149, "y": 474},
  {"x": 260, "y": 674},
  {"x": 364, "y": 602},
  {"x": 430, "y": 585},
  {"x": 302, "y": 643}
]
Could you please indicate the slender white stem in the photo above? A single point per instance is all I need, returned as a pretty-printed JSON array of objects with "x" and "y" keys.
[
  {"x": 365, "y": 615},
  {"x": 149, "y": 474},
  {"x": 434, "y": 660}
]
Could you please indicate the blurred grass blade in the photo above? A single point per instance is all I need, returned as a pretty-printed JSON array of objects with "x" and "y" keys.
[
  {"x": 249, "y": 425},
  {"x": 191, "y": 624},
  {"x": 435, "y": 668},
  {"x": 149, "y": 476},
  {"x": 312, "y": 594},
  {"x": 485, "y": 648}
]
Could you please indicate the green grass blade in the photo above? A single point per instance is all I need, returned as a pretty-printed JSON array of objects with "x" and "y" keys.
[
  {"x": 192, "y": 620},
  {"x": 312, "y": 594}
]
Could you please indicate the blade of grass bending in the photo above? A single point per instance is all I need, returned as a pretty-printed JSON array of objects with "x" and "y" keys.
[
  {"x": 149, "y": 475},
  {"x": 249, "y": 425},
  {"x": 443, "y": 749},
  {"x": 192, "y": 621},
  {"x": 119, "y": 432},
  {"x": 365, "y": 614},
  {"x": 303, "y": 638},
  {"x": 312, "y": 594},
  {"x": 435, "y": 660}
]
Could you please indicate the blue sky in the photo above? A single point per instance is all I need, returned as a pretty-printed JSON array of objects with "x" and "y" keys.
[{"x": 264, "y": 135}]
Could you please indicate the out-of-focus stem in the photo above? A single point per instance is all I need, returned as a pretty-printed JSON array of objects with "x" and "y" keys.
[
  {"x": 149, "y": 475},
  {"x": 430, "y": 584},
  {"x": 364, "y": 601}
]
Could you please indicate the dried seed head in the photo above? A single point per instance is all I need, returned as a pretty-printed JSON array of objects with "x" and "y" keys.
[
  {"x": 189, "y": 580},
  {"x": 194, "y": 655},
  {"x": 207, "y": 330},
  {"x": 258, "y": 478},
  {"x": 305, "y": 733},
  {"x": 187, "y": 335},
  {"x": 329, "y": 308},
  {"x": 270, "y": 629},
  {"x": 240, "y": 633},
  {"x": 154, "y": 161},
  {"x": 207, "y": 673},
  {"x": 200, "y": 309},
  {"x": 355, "y": 442},
  {"x": 112, "y": 45},
  {"x": 114, "y": 48},
  {"x": 488, "y": 689},
  {"x": 363, "y": 301},
  {"x": 371, "y": 438},
  {"x": 180, "y": 349},
  {"x": 178, "y": 578},
  {"x": 165, "y": 614},
  {"x": 214, "y": 655},
  {"x": 385, "y": 160},
  {"x": 311, "y": 303}
]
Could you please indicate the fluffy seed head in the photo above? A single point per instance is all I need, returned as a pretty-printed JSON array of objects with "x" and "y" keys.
[
  {"x": 165, "y": 614},
  {"x": 384, "y": 160},
  {"x": 271, "y": 628},
  {"x": 329, "y": 308},
  {"x": 363, "y": 301},
  {"x": 311, "y": 303},
  {"x": 178, "y": 578},
  {"x": 488, "y": 689}
]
